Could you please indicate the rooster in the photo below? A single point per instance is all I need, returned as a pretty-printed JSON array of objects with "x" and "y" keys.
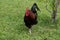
[{"x": 30, "y": 17}]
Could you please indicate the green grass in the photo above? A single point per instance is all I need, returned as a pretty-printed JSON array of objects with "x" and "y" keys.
[{"x": 12, "y": 25}]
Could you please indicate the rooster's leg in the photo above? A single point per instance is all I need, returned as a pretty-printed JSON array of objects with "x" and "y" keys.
[{"x": 30, "y": 30}]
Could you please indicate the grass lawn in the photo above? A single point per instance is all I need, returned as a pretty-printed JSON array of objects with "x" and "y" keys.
[{"x": 12, "y": 25}]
